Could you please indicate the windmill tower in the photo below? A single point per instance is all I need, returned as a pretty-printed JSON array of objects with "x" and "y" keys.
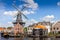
[{"x": 18, "y": 25}]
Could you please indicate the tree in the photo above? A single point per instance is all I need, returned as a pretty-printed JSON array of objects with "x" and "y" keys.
[
  {"x": 25, "y": 29},
  {"x": 9, "y": 27}
]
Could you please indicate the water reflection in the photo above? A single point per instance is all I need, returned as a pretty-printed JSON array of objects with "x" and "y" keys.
[
  {"x": 1, "y": 38},
  {"x": 39, "y": 39},
  {"x": 18, "y": 38},
  {"x": 43, "y": 38}
]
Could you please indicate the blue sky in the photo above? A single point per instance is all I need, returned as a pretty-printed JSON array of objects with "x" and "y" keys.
[{"x": 45, "y": 10}]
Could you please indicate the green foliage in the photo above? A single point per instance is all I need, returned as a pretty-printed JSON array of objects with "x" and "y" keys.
[
  {"x": 55, "y": 34},
  {"x": 9, "y": 27},
  {"x": 25, "y": 29},
  {"x": 50, "y": 34}
]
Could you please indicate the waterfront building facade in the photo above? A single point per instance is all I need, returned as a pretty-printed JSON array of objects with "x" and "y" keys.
[
  {"x": 30, "y": 29},
  {"x": 40, "y": 30},
  {"x": 48, "y": 25},
  {"x": 18, "y": 29},
  {"x": 35, "y": 28},
  {"x": 2, "y": 29},
  {"x": 56, "y": 27}
]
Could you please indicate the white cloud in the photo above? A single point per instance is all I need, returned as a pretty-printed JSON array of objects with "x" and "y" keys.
[
  {"x": 6, "y": 24},
  {"x": 58, "y": 3},
  {"x": 48, "y": 18},
  {"x": 9, "y": 22},
  {"x": 30, "y": 22},
  {"x": 14, "y": 18},
  {"x": 53, "y": 21},
  {"x": 14, "y": 13},
  {"x": 11, "y": 13},
  {"x": 0, "y": 25},
  {"x": 33, "y": 20},
  {"x": 27, "y": 22},
  {"x": 31, "y": 4},
  {"x": 28, "y": 12}
]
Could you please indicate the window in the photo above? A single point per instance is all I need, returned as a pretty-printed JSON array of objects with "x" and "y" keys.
[
  {"x": 57, "y": 28},
  {"x": 54, "y": 28}
]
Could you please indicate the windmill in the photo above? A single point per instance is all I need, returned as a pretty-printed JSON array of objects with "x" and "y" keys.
[
  {"x": 18, "y": 24},
  {"x": 19, "y": 16}
]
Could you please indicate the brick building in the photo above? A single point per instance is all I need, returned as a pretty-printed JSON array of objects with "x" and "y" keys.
[{"x": 18, "y": 28}]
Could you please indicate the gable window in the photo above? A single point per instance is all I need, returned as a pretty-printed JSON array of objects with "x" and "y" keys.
[
  {"x": 54, "y": 28},
  {"x": 57, "y": 28}
]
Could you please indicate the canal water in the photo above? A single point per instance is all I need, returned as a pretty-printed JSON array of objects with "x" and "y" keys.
[
  {"x": 28, "y": 38},
  {"x": 2, "y": 38}
]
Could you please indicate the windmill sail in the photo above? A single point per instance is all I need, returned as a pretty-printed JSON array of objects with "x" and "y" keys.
[{"x": 20, "y": 11}]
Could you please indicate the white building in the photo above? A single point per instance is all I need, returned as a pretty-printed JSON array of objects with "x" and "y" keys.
[{"x": 55, "y": 27}]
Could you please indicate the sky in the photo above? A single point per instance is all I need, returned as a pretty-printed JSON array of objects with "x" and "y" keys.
[{"x": 35, "y": 10}]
